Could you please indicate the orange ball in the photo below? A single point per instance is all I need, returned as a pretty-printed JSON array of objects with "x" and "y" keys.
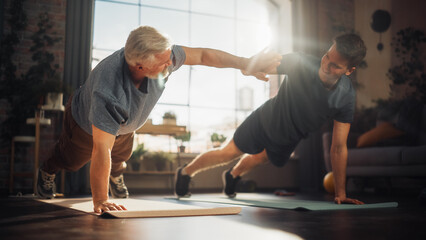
[{"x": 329, "y": 182}]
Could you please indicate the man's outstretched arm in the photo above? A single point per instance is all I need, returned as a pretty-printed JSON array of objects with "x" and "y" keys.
[
  {"x": 339, "y": 159},
  {"x": 257, "y": 65}
]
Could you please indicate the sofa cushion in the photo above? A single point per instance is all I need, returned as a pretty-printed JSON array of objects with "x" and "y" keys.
[
  {"x": 389, "y": 171},
  {"x": 383, "y": 131},
  {"x": 375, "y": 156},
  {"x": 414, "y": 155}
]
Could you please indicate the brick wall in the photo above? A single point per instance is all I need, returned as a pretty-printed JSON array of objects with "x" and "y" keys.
[{"x": 56, "y": 10}]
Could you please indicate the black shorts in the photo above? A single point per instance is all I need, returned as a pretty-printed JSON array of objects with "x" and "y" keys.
[{"x": 251, "y": 138}]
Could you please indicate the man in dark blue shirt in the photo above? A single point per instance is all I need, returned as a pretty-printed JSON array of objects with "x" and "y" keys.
[{"x": 313, "y": 91}]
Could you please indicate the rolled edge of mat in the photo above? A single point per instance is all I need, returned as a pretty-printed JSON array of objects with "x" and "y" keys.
[{"x": 173, "y": 213}]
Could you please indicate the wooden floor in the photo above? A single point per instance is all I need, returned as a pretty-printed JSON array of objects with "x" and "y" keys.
[{"x": 29, "y": 219}]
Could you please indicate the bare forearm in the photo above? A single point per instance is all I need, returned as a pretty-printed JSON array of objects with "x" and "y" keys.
[
  {"x": 258, "y": 65},
  {"x": 339, "y": 159},
  {"x": 99, "y": 175},
  {"x": 220, "y": 59}
]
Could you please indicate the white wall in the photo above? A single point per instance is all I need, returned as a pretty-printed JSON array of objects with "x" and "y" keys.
[{"x": 373, "y": 78}]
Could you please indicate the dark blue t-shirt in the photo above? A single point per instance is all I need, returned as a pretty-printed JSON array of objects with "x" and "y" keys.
[{"x": 303, "y": 104}]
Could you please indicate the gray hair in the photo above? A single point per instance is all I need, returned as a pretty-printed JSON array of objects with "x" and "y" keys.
[{"x": 143, "y": 43}]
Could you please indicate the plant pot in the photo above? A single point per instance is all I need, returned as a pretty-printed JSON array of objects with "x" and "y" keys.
[
  {"x": 182, "y": 149},
  {"x": 135, "y": 166},
  {"x": 169, "y": 121},
  {"x": 54, "y": 101}
]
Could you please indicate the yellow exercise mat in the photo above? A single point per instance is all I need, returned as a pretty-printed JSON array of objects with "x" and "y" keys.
[{"x": 137, "y": 208}]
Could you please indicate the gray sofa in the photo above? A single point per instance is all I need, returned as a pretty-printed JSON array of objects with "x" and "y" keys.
[{"x": 403, "y": 157}]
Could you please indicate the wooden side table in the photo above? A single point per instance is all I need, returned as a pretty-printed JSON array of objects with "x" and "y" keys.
[{"x": 37, "y": 121}]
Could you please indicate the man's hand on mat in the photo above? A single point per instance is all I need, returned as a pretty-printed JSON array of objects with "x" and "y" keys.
[
  {"x": 340, "y": 200},
  {"x": 104, "y": 205}
]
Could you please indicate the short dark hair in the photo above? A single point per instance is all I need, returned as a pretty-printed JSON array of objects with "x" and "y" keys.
[{"x": 351, "y": 47}]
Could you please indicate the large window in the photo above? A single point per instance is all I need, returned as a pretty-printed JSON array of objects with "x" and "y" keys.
[{"x": 206, "y": 100}]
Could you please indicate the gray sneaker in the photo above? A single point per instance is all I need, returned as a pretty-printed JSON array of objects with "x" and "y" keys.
[
  {"x": 117, "y": 188},
  {"x": 46, "y": 186}
]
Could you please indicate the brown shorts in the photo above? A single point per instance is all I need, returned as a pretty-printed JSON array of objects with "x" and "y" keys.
[{"x": 74, "y": 148}]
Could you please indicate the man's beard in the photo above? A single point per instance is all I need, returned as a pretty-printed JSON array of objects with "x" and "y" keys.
[{"x": 161, "y": 75}]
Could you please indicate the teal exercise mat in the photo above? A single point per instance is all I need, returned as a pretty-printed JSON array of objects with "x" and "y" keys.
[{"x": 284, "y": 203}]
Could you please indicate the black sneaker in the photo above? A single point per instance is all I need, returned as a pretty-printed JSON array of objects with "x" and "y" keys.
[
  {"x": 117, "y": 188},
  {"x": 46, "y": 186},
  {"x": 182, "y": 183},
  {"x": 230, "y": 183}
]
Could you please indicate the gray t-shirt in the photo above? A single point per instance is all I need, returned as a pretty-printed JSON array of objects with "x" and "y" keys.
[
  {"x": 303, "y": 104},
  {"x": 109, "y": 99}
]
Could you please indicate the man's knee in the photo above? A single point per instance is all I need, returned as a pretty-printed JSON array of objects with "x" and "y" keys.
[
  {"x": 230, "y": 151},
  {"x": 72, "y": 167},
  {"x": 261, "y": 157}
]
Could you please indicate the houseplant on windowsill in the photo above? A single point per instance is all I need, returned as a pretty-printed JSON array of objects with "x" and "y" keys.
[
  {"x": 137, "y": 157},
  {"x": 217, "y": 139},
  {"x": 169, "y": 118},
  {"x": 157, "y": 160},
  {"x": 181, "y": 139}
]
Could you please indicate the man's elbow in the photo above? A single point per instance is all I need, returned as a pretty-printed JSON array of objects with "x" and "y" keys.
[{"x": 206, "y": 58}]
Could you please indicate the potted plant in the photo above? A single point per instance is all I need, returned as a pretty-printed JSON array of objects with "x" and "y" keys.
[
  {"x": 137, "y": 157},
  {"x": 217, "y": 139},
  {"x": 408, "y": 71},
  {"x": 53, "y": 91},
  {"x": 158, "y": 159},
  {"x": 169, "y": 118},
  {"x": 181, "y": 139},
  {"x": 47, "y": 82}
]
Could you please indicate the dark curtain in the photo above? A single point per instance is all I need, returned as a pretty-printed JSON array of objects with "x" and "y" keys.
[
  {"x": 306, "y": 40},
  {"x": 1, "y": 18},
  {"x": 78, "y": 52},
  {"x": 78, "y": 42}
]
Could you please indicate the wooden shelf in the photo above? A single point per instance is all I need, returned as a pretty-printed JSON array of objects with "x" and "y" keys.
[
  {"x": 170, "y": 130},
  {"x": 43, "y": 121}
]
